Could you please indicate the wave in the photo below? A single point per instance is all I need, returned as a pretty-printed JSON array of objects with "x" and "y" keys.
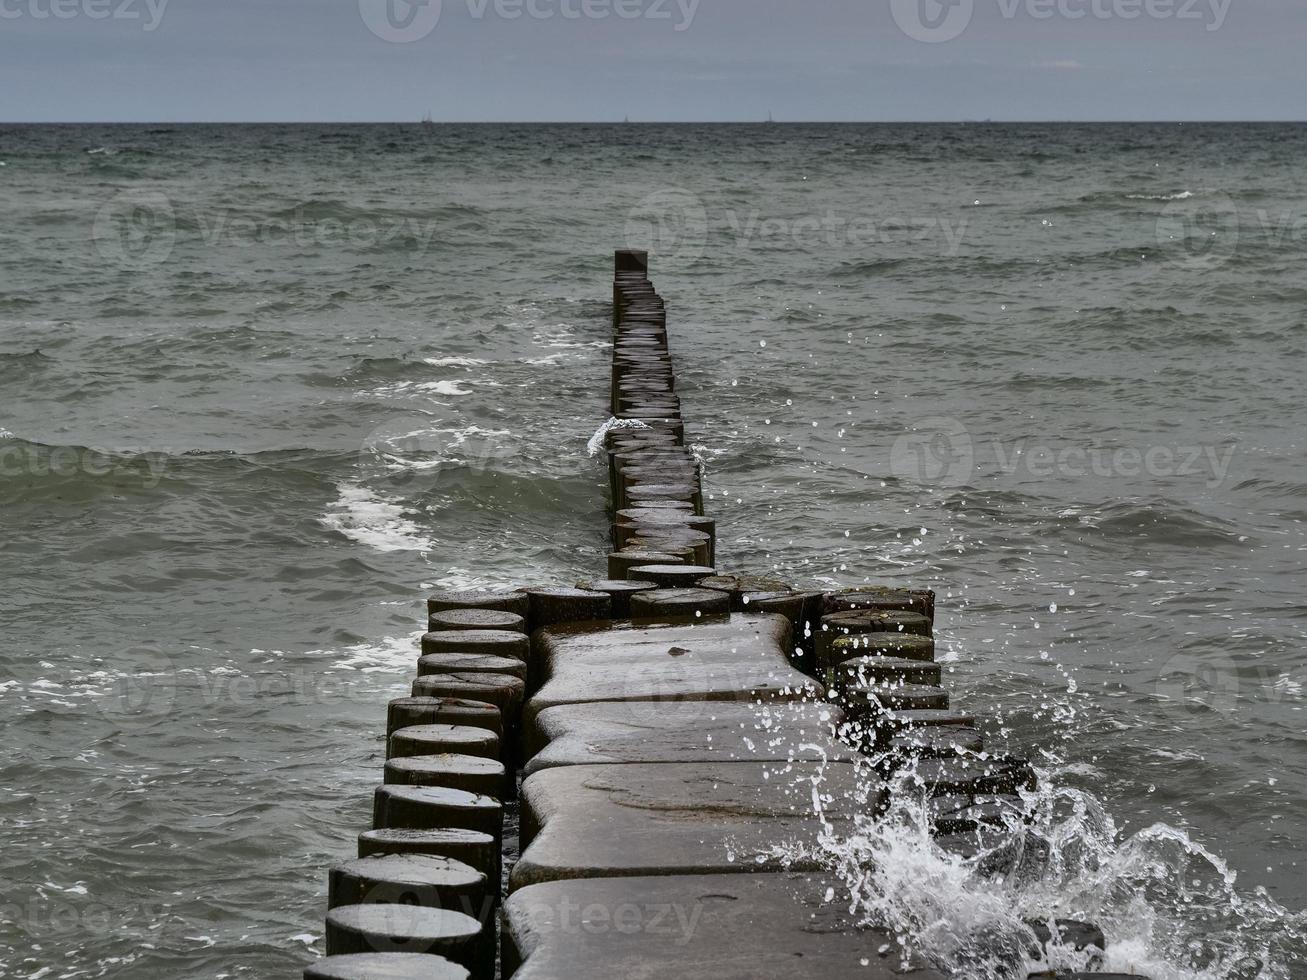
[
  {"x": 1271, "y": 488},
  {"x": 1161, "y": 522},
  {"x": 1113, "y": 200},
  {"x": 370, "y": 368},
  {"x": 414, "y": 373},
  {"x": 1144, "y": 202},
  {"x": 454, "y": 362},
  {"x": 19, "y": 367},
  {"x": 1181, "y": 196},
  {"x": 32, "y": 471},
  {"x": 874, "y": 267},
  {"x": 45, "y": 475},
  {"x": 1023, "y": 381},
  {"x": 337, "y": 209}
]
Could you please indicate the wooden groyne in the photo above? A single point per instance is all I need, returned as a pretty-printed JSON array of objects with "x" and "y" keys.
[{"x": 660, "y": 738}]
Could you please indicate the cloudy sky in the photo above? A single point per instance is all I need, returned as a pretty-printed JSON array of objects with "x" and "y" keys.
[{"x": 339, "y": 60}]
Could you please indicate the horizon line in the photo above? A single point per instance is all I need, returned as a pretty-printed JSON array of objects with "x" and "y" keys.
[{"x": 645, "y": 122}]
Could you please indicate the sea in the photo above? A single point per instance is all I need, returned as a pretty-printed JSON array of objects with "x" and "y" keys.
[{"x": 262, "y": 388}]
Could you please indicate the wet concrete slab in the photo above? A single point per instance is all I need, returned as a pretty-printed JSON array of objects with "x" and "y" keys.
[
  {"x": 696, "y": 818},
  {"x": 385, "y": 966},
  {"x": 707, "y": 927},
  {"x": 687, "y": 731},
  {"x": 740, "y": 658}
]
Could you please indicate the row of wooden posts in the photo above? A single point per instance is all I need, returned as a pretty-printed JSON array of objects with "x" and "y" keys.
[{"x": 425, "y": 896}]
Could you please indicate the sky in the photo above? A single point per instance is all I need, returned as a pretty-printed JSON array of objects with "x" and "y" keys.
[{"x": 651, "y": 60}]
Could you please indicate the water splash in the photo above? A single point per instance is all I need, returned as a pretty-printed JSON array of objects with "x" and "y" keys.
[
  {"x": 1169, "y": 907},
  {"x": 700, "y": 455},
  {"x": 596, "y": 442}
]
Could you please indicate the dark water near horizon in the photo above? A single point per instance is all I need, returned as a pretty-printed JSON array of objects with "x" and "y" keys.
[{"x": 263, "y": 387}]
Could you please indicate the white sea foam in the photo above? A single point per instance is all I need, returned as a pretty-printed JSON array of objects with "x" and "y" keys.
[
  {"x": 1177, "y": 756},
  {"x": 364, "y": 516},
  {"x": 454, "y": 361},
  {"x": 473, "y": 435},
  {"x": 557, "y": 341},
  {"x": 1182, "y": 196},
  {"x": 1288, "y": 686},
  {"x": 407, "y": 388},
  {"x": 947, "y": 654},
  {"x": 387, "y": 655},
  {"x": 456, "y": 579},
  {"x": 524, "y": 315},
  {"x": 446, "y": 387},
  {"x": 399, "y": 449}
]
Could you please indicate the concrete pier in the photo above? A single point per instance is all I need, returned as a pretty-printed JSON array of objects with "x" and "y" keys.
[{"x": 670, "y": 741}]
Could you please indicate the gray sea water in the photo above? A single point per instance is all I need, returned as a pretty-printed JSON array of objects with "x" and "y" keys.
[{"x": 263, "y": 387}]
